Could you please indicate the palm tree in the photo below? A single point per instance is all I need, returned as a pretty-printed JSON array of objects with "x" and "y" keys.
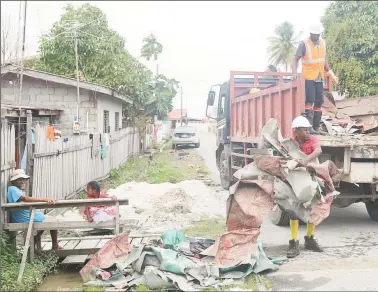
[
  {"x": 151, "y": 49},
  {"x": 272, "y": 68},
  {"x": 283, "y": 45}
]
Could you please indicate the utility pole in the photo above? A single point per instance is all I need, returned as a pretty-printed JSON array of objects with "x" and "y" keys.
[
  {"x": 30, "y": 162},
  {"x": 21, "y": 81},
  {"x": 77, "y": 74},
  {"x": 181, "y": 105}
]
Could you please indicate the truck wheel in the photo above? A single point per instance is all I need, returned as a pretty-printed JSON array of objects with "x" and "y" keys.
[
  {"x": 372, "y": 209},
  {"x": 279, "y": 217},
  {"x": 224, "y": 171}
]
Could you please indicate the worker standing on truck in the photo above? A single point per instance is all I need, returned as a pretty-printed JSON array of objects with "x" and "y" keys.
[
  {"x": 312, "y": 51},
  {"x": 310, "y": 146}
]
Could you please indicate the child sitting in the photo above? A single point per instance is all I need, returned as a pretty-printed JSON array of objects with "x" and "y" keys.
[{"x": 98, "y": 213}]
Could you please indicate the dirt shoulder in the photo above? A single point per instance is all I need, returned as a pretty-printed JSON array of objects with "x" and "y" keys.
[{"x": 169, "y": 165}]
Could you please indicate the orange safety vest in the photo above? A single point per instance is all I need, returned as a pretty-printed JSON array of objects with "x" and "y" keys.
[{"x": 314, "y": 60}]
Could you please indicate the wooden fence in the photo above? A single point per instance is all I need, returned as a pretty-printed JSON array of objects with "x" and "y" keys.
[
  {"x": 7, "y": 160},
  {"x": 64, "y": 166}
]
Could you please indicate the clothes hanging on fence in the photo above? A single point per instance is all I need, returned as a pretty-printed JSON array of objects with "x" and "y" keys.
[
  {"x": 23, "y": 160},
  {"x": 103, "y": 146},
  {"x": 95, "y": 145},
  {"x": 50, "y": 133}
]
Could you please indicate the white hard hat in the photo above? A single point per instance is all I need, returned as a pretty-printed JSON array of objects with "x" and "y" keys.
[
  {"x": 316, "y": 29},
  {"x": 301, "y": 122}
]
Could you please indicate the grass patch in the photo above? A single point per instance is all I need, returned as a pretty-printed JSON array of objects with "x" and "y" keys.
[
  {"x": 206, "y": 227},
  {"x": 44, "y": 263},
  {"x": 93, "y": 289},
  {"x": 165, "y": 166}
]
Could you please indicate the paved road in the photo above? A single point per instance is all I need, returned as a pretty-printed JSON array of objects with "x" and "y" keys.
[{"x": 349, "y": 237}]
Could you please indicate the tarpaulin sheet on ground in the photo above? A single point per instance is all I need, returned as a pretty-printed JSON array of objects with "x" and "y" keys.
[{"x": 174, "y": 265}]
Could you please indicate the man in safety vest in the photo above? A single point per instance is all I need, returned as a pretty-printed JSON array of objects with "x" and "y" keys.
[
  {"x": 312, "y": 51},
  {"x": 310, "y": 146}
]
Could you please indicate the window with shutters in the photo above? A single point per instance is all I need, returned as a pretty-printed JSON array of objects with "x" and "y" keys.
[
  {"x": 116, "y": 126},
  {"x": 106, "y": 122}
]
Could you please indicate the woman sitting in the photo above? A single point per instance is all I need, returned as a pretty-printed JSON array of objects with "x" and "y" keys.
[{"x": 98, "y": 213}]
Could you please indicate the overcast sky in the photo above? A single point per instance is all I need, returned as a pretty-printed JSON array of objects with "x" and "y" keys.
[{"x": 202, "y": 40}]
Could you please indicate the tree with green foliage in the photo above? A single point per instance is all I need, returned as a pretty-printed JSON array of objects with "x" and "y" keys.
[
  {"x": 351, "y": 30},
  {"x": 151, "y": 48},
  {"x": 103, "y": 59},
  {"x": 272, "y": 68},
  {"x": 164, "y": 89},
  {"x": 282, "y": 46}
]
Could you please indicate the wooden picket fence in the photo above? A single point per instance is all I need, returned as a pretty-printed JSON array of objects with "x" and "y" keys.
[
  {"x": 63, "y": 167},
  {"x": 7, "y": 160}
]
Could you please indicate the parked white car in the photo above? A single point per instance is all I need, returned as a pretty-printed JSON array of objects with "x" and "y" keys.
[{"x": 185, "y": 135}]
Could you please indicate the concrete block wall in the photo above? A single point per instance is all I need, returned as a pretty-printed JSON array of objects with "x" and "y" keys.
[{"x": 53, "y": 95}]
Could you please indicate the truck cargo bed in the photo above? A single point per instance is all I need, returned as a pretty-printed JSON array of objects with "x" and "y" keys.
[{"x": 348, "y": 141}]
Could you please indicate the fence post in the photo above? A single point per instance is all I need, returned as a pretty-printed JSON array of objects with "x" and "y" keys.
[{"x": 29, "y": 164}]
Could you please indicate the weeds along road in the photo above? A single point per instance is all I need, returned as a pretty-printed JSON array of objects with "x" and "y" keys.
[{"x": 349, "y": 238}]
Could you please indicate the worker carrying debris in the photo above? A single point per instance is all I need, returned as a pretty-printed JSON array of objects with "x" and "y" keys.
[
  {"x": 310, "y": 146},
  {"x": 312, "y": 52}
]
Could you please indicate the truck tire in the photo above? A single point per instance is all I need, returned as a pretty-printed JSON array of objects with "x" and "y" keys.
[
  {"x": 372, "y": 209},
  {"x": 224, "y": 170},
  {"x": 279, "y": 217}
]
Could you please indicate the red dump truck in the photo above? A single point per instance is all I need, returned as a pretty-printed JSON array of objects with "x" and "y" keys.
[{"x": 241, "y": 114}]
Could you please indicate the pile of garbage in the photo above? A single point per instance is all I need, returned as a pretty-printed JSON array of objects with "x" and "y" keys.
[
  {"x": 335, "y": 122},
  {"x": 172, "y": 261},
  {"x": 306, "y": 193},
  {"x": 347, "y": 127}
]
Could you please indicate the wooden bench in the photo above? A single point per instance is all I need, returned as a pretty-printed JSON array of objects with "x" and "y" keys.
[{"x": 116, "y": 224}]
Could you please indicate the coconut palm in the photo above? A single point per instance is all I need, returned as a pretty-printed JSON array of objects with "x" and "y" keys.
[
  {"x": 272, "y": 68},
  {"x": 283, "y": 45},
  {"x": 151, "y": 49}
]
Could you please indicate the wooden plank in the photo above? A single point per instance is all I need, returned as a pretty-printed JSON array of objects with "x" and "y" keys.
[
  {"x": 82, "y": 238},
  {"x": 9, "y": 165},
  {"x": 47, "y": 246},
  {"x": 68, "y": 225},
  {"x": 65, "y": 204},
  {"x": 117, "y": 219},
  {"x": 79, "y": 259},
  {"x": 26, "y": 247},
  {"x": 71, "y": 244},
  {"x": 62, "y": 243},
  {"x": 102, "y": 242},
  {"x": 74, "y": 259},
  {"x": 137, "y": 241},
  {"x": 83, "y": 251}
]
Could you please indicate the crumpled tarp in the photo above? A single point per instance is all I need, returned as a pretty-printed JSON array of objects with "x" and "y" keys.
[
  {"x": 160, "y": 268},
  {"x": 116, "y": 248},
  {"x": 305, "y": 193}
]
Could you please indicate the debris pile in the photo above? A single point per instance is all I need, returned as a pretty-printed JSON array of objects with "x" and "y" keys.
[
  {"x": 347, "y": 126},
  {"x": 346, "y": 118},
  {"x": 173, "y": 261},
  {"x": 305, "y": 193}
]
